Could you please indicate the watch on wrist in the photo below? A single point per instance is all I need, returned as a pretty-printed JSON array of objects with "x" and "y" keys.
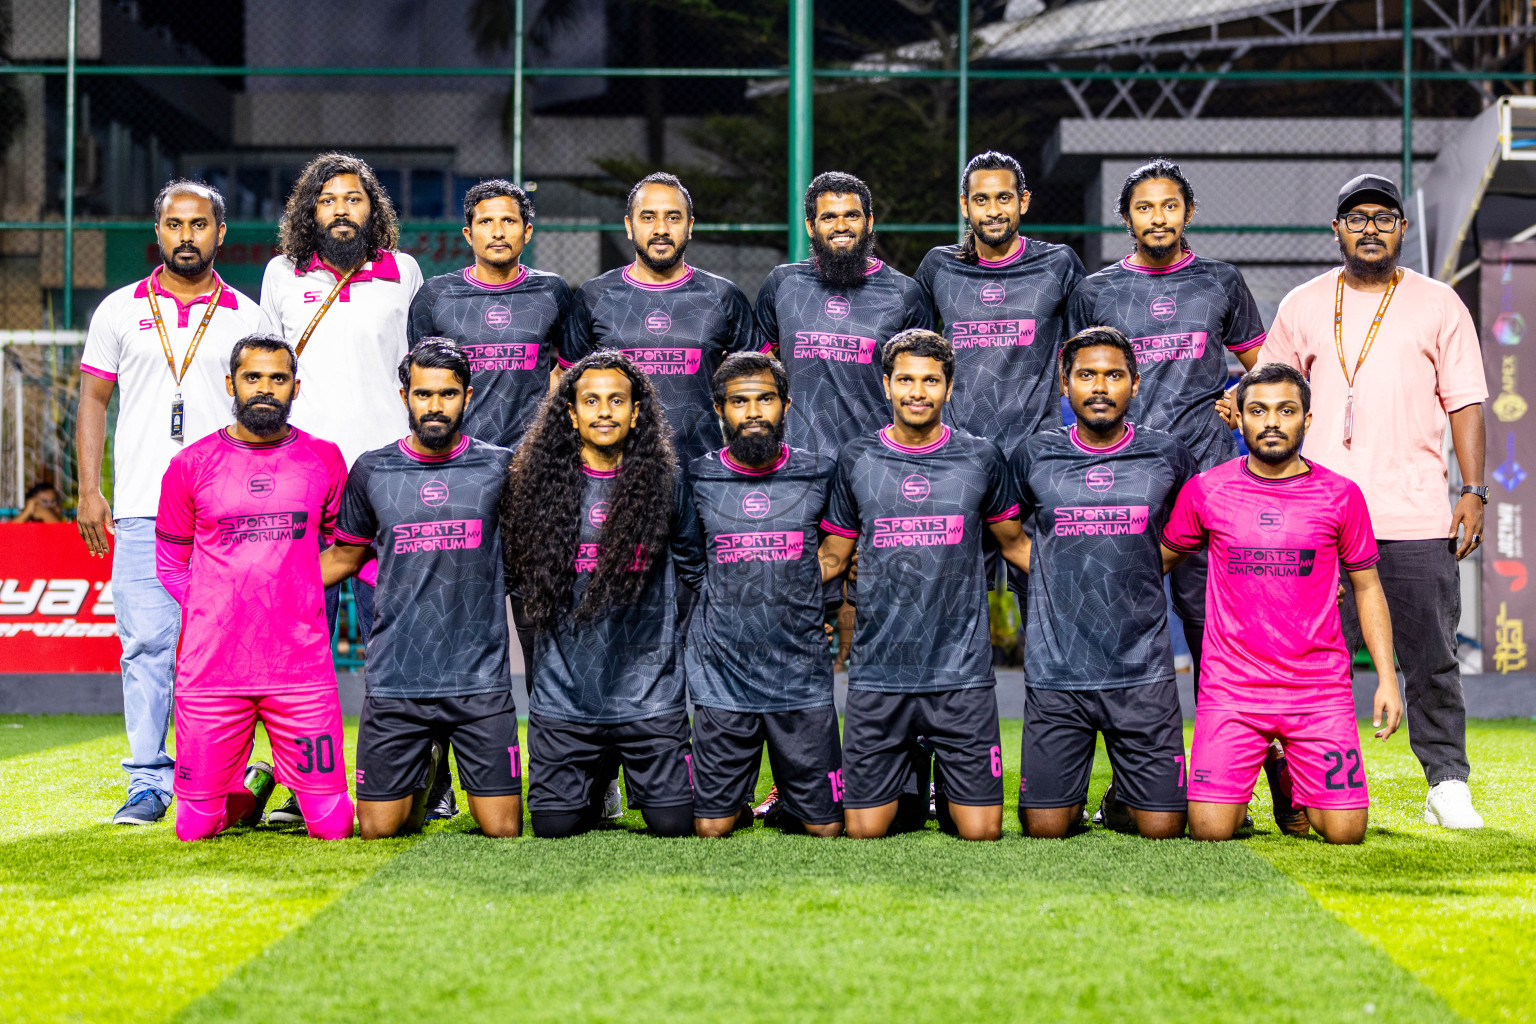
[{"x": 1481, "y": 492}]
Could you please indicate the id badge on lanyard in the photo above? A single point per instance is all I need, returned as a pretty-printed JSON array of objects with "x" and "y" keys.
[{"x": 178, "y": 408}]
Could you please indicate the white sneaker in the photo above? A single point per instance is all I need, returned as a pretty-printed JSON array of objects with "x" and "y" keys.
[
  {"x": 613, "y": 804},
  {"x": 1449, "y": 805}
]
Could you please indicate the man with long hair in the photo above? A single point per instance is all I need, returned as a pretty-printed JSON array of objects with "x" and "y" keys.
[
  {"x": 603, "y": 532},
  {"x": 1002, "y": 299},
  {"x": 340, "y": 294}
]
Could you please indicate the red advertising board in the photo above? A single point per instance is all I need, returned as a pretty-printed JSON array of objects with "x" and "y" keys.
[{"x": 55, "y": 602}]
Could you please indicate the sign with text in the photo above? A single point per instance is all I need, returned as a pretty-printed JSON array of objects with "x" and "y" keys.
[
  {"x": 55, "y": 602},
  {"x": 1509, "y": 362}
]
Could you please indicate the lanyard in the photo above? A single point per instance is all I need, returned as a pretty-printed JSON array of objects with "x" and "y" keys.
[
  {"x": 1365, "y": 349},
  {"x": 197, "y": 338},
  {"x": 341, "y": 282}
]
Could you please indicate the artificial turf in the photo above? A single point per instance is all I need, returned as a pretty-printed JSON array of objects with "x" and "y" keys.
[{"x": 103, "y": 923}]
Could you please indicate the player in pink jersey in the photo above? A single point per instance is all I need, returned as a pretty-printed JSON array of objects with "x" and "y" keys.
[
  {"x": 236, "y": 547},
  {"x": 1278, "y": 529}
]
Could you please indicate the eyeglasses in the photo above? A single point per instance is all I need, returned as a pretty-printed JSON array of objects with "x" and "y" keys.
[{"x": 1386, "y": 223}]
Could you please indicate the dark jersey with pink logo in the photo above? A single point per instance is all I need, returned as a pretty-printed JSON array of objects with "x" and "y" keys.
[
  {"x": 627, "y": 665},
  {"x": 1097, "y": 615},
  {"x": 677, "y": 333},
  {"x": 922, "y": 621},
  {"x": 513, "y": 334},
  {"x": 1007, "y": 321},
  {"x": 756, "y": 642},
  {"x": 440, "y": 616},
  {"x": 1183, "y": 319},
  {"x": 829, "y": 339}
]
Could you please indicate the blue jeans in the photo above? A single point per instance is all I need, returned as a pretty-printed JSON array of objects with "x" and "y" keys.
[{"x": 148, "y": 623}]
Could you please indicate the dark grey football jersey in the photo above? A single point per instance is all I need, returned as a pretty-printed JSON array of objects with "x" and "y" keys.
[
  {"x": 922, "y": 622},
  {"x": 756, "y": 642},
  {"x": 1097, "y": 615},
  {"x": 1006, "y": 320},
  {"x": 1182, "y": 319},
  {"x": 829, "y": 340},
  {"x": 440, "y": 616},
  {"x": 628, "y": 665},
  {"x": 677, "y": 333},
  {"x": 513, "y": 335}
]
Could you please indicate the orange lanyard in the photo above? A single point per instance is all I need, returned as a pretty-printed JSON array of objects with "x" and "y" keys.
[
  {"x": 341, "y": 282},
  {"x": 1365, "y": 350},
  {"x": 197, "y": 338}
]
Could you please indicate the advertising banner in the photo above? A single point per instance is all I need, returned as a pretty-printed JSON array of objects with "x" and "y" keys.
[
  {"x": 55, "y": 602},
  {"x": 1509, "y": 360}
]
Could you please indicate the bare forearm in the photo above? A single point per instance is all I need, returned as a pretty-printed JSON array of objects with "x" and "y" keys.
[
  {"x": 1470, "y": 442},
  {"x": 1376, "y": 627},
  {"x": 341, "y": 561},
  {"x": 90, "y": 438}
]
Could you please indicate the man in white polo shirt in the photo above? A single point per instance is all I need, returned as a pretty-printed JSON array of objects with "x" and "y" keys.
[
  {"x": 340, "y": 294},
  {"x": 164, "y": 344}
]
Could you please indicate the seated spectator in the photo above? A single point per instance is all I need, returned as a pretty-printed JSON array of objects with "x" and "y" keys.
[{"x": 41, "y": 505}]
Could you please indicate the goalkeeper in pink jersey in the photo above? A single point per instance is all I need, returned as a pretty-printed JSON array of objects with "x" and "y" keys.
[
  {"x": 236, "y": 547},
  {"x": 1278, "y": 529}
]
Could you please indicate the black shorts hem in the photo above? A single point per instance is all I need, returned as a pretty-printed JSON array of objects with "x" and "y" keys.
[
  {"x": 510, "y": 792},
  {"x": 859, "y": 805},
  {"x": 969, "y": 803},
  {"x": 371, "y": 799},
  {"x": 1181, "y": 809},
  {"x": 1029, "y": 805}
]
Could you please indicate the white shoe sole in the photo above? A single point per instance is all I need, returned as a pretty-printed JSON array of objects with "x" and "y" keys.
[
  {"x": 1430, "y": 818},
  {"x": 134, "y": 821}
]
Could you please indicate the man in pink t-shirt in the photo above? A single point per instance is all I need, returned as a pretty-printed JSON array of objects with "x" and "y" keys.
[
  {"x": 236, "y": 547},
  {"x": 1384, "y": 396},
  {"x": 1278, "y": 528}
]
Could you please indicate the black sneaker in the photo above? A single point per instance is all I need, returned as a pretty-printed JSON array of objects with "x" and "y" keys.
[
  {"x": 261, "y": 782},
  {"x": 1291, "y": 819},
  {"x": 1113, "y": 814},
  {"x": 145, "y": 807},
  {"x": 287, "y": 813},
  {"x": 418, "y": 815},
  {"x": 441, "y": 804}
]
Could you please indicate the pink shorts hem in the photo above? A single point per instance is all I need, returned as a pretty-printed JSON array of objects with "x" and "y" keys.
[{"x": 1322, "y": 748}]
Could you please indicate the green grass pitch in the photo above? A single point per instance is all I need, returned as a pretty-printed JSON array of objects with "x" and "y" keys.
[{"x": 101, "y": 923}]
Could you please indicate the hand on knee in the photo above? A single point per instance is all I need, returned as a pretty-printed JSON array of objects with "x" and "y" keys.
[{"x": 327, "y": 815}]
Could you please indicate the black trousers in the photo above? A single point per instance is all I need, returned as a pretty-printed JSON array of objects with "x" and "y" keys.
[{"x": 1423, "y": 589}]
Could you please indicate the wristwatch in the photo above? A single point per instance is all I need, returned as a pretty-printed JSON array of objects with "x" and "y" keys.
[{"x": 1481, "y": 492}]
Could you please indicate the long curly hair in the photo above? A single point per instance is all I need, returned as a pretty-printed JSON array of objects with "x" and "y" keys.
[
  {"x": 541, "y": 504},
  {"x": 298, "y": 234}
]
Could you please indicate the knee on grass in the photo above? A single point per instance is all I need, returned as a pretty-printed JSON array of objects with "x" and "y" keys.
[
  {"x": 327, "y": 815},
  {"x": 669, "y": 822},
  {"x": 561, "y": 824},
  {"x": 200, "y": 819}
]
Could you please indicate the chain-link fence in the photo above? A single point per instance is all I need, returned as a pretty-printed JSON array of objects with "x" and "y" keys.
[{"x": 1269, "y": 105}]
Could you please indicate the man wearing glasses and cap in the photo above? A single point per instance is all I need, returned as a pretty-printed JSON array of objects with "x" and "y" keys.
[{"x": 1391, "y": 355}]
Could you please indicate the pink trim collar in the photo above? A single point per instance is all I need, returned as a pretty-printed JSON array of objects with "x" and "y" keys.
[
  {"x": 687, "y": 276},
  {"x": 734, "y": 466},
  {"x": 1018, "y": 254},
  {"x": 601, "y": 474},
  {"x": 1130, "y": 432},
  {"x": 412, "y": 453},
  {"x": 183, "y": 310},
  {"x": 1250, "y": 474},
  {"x": 885, "y": 439},
  {"x": 1189, "y": 257},
  {"x": 385, "y": 268},
  {"x": 517, "y": 279}
]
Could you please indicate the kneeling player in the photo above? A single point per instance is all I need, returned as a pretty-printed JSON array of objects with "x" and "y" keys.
[
  {"x": 600, "y": 531},
  {"x": 914, "y": 497},
  {"x": 1097, "y": 657},
  {"x": 759, "y": 668},
  {"x": 235, "y": 546},
  {"x": 1275, "y": 666},
  {"x": 438, "y": 665}
]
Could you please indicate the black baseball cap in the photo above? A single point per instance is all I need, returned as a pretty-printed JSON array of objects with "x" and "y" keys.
[{"x": 1369, "y": 188}]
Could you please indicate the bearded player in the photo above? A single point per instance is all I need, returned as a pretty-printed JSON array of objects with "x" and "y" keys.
[
  {"x": 236, "y": 547},
  {"x": 673, "y": 321},
  {"x": 604, "y": 534},
  {"x": 1278, "y": 528},
  {"x": 1002, "y": 299},
  {"x": 759, "y": 670},
  {"x": 1096, "y": 656},
  {"x": 914, "y": 498},
  {"x": 438, "y": 665}
]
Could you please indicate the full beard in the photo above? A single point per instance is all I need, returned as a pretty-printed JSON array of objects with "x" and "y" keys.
[
  {"x": 261, "y": 415},
  {"x": 1372, "y": 270},
  {"x": 755, "y": 449},
  {"x": 1274, "y": 458},
  {"x": 195, "y": 270},
  {"x": 435, "y": 433},
  {"x": 343, "y": 253},
  {"x": 1102, "y": 422},
  {"x": 1000, "y": 240},
  {"x": 843, "y": 268},
  {"x": 666, "y": 263}
]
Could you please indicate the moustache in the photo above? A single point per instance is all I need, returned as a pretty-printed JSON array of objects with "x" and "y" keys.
[{"x": 1274, "y": 434}]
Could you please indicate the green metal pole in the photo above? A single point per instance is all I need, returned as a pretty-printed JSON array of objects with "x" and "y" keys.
[
  {"x": 69, "y": 170},
  {"x": 801, "y": 56},
  {"x": 1407, "y": 183},
  {"x": 963, "y": 113},
  {"x": 517, "y": 93}
]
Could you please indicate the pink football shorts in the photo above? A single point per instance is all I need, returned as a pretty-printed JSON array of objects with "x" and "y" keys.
[
  {"x": 1322, "y": 748},
  {"x": 214, "y": 735}
]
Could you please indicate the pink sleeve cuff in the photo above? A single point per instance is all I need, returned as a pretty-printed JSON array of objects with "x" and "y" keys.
[
  {"x": 840, "y": 531},
  {"x": 1252, "y": 343},
  {"x": 351, "y": 538},
  {"x": 94, "y": 372},
  {"x": 1358, "y": 566},
  {"x": 767, "y": 347},
  {"x": 565, "y": 364},
  {"x": 1006, "y": 514},
  {"x": 1174, "y": 545}
]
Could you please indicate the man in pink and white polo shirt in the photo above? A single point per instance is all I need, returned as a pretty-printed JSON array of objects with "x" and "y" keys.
[
  {"x": 1277, "y": 529},
  {"x": 163, "y": 344}
]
